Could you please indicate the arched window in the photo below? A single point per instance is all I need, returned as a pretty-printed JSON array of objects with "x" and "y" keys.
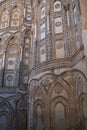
[
  {"x": 60, "y": 122},
  {"x": 22, "y": 115},
  {"x": 3, "y": 122},
  {"x": 16, "y": 17},
  {"x": 4, "y": 19},
  {"x": 11, "y": 57},
  {"x": 84, "y": 108},
  {"x": 38, "y": 118},
  {"x": 12, "y": 49},
  {"x": 22, "y": 120},
  {"x": 11, "y": 63},
  {"x": 81, "y": 93}
]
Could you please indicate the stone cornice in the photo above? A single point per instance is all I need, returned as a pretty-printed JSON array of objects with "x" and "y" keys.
[{"x": 58, "y": 63}]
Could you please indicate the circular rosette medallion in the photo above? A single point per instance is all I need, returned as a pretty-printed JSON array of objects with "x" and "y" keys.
[
  {"x": 59, "y": 45},
  {"x": 9, "y": 77}
]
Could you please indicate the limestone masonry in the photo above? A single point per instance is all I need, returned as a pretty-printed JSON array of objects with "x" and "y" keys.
[{"x": 43, "y": 65}]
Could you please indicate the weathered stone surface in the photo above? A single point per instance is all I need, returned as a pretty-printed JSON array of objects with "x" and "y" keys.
[{"x": 43, "y": 65}]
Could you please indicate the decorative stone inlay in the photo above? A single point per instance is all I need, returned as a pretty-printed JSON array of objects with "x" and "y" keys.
[
  {"x": 9, "y": 77},
  {"x": 39, "y": 93},
  {"x": 51, "y": 65},
  {"x": 15, "y": 23},
  {"x": 57, "y": 14},
  {"x": 58, "y": 23},
  {"x": 57, "y": 6},
  {"x": 46, "y": 83},
  {"x": 43, "y": 30},
  {"x": 42, "y": 75},
  {"x": 29, "y": 8},
  {"x": 16, "y": 15},
  {"x": 43, "y": 12},
  {"x": 33, "y": 83},
  {"x": 26, "y": 74},
  {"x": 58, "y": 89},
  {"x": 59, "y": 45},
  {"x": 3, "y": 25},
  {"x": 11, "y": 62},
  {"x": 29, "y": 16},
  {"x": 80, "y": 85},
  {"x": 5, "y": 17},
  {"x": 42, "y": 51}
]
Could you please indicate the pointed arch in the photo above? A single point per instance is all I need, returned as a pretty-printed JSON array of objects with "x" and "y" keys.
[
  {"x": 4, "y": 19},
  {"x": 59, "y": 111},
  {"x": 6, "y": 115},
  {"x": 16, "y": 17},
  {"x": 11, "y": 63},
  {"x": 81, "y": 97},
  {"x": 12, "y": 46},
  {"x": 12, "y": 37},
  {"x": 39, "y": 92},
  {"x": 38, "y": 115},
  {"x": 82, "y": 108},
  {"x": 81, "y": 83},
  {"x": 22, "y": 114}
]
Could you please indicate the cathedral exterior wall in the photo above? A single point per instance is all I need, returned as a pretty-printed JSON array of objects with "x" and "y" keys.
[{"x": 43, "y": 65}]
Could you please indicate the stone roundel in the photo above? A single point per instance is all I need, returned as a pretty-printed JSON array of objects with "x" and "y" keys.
[
  {"x": 59, "y": 45},
  {"x": 11, "y": 62},
  {"x": 57, "y": 6},
  {"x": 58, "y": 23},
  {"x": 9, "y": 77}
]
